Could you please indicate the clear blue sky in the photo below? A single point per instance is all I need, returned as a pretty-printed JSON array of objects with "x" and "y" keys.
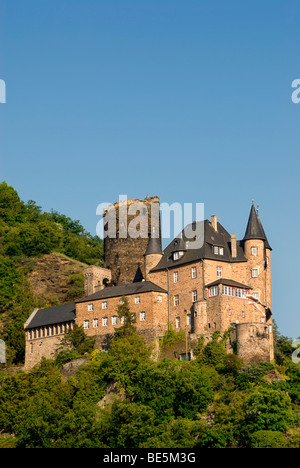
[{"x": 187, "y": 100}]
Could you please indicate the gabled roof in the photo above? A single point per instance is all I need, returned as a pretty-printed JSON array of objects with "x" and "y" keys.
[
  {"x": 255, "y": 229},
  {"x": 52, "y": 315},
  {"x": 123, "y": 290},
  {"x": 208, "y": 238}
]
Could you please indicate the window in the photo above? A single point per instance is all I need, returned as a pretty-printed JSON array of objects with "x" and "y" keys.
[
  {"x": 95, "y": 323},
  {"x": 255, "y": 273},
  {"x": 175, "y": 255},
  {"x": 213, "y": 291},
  {"x": 177, "y": 322},
  {"x": 104, "y": 321},
  {"x": 228, "y": 291},
  {"x": 255, "y": 294},
  {"x": 90, "y": 307},
  {"x": 218, "y": 250},
  {"x": 194, "y": 272},
  {"x": 104, "y": 305},
  {"x": 176, "y": 277},
  {"x": 219, "y": 272},
  {"x": 133, "y": 317},
  {"x": 176, "y": 300},
  {"x": 194, "y": 295},
  {"x": 243, "y": 314},
  {"x": 123, "y": 319},
  {"x": 142, "y": 316},
  {"x": 189, "y": 319},
  {"x": 254, "y": 251},
  {"x": 241, "y": 293},
  {"x": 86, "y": 324},
  {"x": 159, "y": 298},
  {"x": 114, "y": 320},
  {"x": 137, "y": 300}
]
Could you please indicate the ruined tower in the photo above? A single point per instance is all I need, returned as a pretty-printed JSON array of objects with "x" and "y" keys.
[{"x": 132, "y": 222}]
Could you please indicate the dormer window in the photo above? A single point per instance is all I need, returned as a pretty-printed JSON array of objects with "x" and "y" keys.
[
  {"x": 177, "y": 255},
  {"x": 218, "y": 250}
]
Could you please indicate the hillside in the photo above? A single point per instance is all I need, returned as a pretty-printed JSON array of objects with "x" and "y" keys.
[{"x": 42, "y": 256}]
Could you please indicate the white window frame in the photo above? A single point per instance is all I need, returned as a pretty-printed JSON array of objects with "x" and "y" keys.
[
  {"x": 194, "y": 272},
  {"x": 177, "y": 322},
  {"x": 254, "y": 251},
  {"x": 90, "y": 307},
  {"x": 86, "y": 324},
  {"x": 104, "y": 305},
  {"x": 255, "y": 273},
  {"x": 159, "y": 298},
  {"x": 175, "y": 276},
  {"x": 142, "y": 316},
  {"x": 195, "y": 295},
  {"x": 219, "y": 272},
  {"x": 95, "y": 323},
  {"x": 104, "y": 321},
  {"x": 114, "y": 320},
  {"x": 228, "y": 291},
  {"x": 213, "y": 291},
  {"x": 176, "y": 300},
  {"x": 137, "y": 299},
  {"x": 189, "y": 319}
]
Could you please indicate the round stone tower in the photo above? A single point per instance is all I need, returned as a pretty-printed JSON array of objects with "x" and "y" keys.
[{"x": 127, "y": 229}]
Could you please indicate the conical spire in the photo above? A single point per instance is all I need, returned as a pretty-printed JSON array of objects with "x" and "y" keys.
[
  {"x": 255, "y": 229},
  {"x": 154, "y": 245}
]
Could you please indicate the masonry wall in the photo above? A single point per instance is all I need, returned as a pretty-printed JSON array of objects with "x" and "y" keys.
[
  {"x": 123, "y": 256},
  {"x": 155, "y": 322}
]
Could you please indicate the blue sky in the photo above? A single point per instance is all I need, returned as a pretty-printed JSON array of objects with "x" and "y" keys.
[{"x": 190, "y": 101}]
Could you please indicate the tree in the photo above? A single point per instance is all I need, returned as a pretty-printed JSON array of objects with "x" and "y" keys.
[{"x": 75, "y": 343}]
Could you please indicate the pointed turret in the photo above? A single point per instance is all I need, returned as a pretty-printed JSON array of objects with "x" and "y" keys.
[
  {"x": 153, "y": 253},
  {"x": 255, "y": 229}
]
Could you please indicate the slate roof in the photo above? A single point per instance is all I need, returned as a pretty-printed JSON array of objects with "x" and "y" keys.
[
  {"x": 208, "y": 238},
  {"x": 154, "y": 246},
  {"x": 228, "y": 282},
  {"x": 123, "y": 290},
  {"x": 255, "y": 229},
  {"x": 52, "y": 315}
]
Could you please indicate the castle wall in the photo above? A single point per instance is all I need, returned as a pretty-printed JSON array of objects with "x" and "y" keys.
[{"x": 254, "y": 342}]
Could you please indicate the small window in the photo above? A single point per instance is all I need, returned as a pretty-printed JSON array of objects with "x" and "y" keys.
[
  {"x": 194, "y": 296},
  {"x": 123, "y": 319},
  {"x": 255, "y": 294},
  {"x": 189, "y": 319},
  {"x": 176, "y": 277},
  {"x": 90, "y": 307},
  {"x": 177, "y": 322},
  {"x": 213, "y": 291},
  {"x": 114, "y": 320},
  {"x": 142, "y": 316},
  {"x": 104, "y": 305},
  {"x": 137, "y": 300},
  {"x": 194, "y": 272},
  {"x": 176, "y": 300},
  {"x": 254, "y": 251},
  {"x": 241, "y": 293},
  {"x": 159, "y": 298},
  {"x": 175, "y": 255},
  {"x": 86, "y": 324},
  {"x": 255, "y": 273},
  {"x": 104, "y": 321},
  {"x": 219, "y": 272},
  {"x": 243, "y": 314},
  {"x": 95, "y": 323},
  {"x": 218, "y": 250}
]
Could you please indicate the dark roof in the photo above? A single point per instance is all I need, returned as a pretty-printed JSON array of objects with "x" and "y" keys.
[
  {"x": 179, "y": 245},
  {"x": 154, "y": 246},
  {"x": 52, "y": 315},
  {"x": 124, "y": 290},
  {"x": 255, "y": 229},
  {"x": 228, "y": 282},
  {"x": 207, "y": 238}
]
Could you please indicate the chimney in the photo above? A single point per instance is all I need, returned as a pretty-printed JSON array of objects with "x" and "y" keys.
[
  {"x": 214, "y": 222},
  {"x": 233, "y": 246}
]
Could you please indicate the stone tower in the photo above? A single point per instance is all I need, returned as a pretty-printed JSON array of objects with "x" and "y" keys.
[{"x": 124, "y": 249}]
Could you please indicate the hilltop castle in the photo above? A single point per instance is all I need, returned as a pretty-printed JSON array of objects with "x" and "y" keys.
[{"x": 222, "y": 284}]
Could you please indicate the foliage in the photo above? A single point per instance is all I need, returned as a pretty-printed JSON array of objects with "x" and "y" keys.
[
  {"x": 75, "y": 343},
  {"x": 172, "y": 337}
]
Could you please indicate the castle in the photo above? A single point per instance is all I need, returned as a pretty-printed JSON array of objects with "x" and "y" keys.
[{"x": 224, "y": 284}]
